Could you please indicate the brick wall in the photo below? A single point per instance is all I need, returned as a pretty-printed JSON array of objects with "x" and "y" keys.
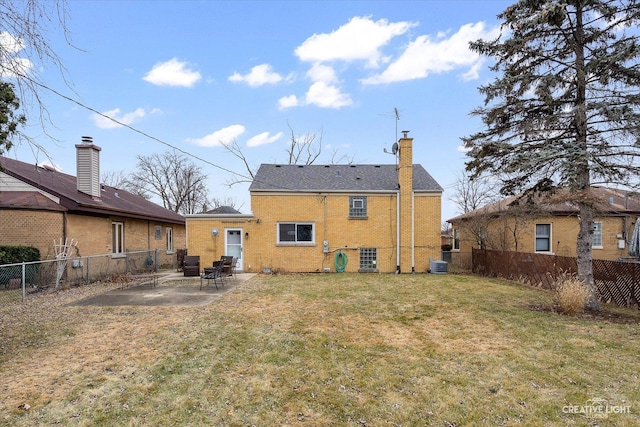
[
  {"x": 92, "y": 233},
  {"x": 330, "y": 216},
  {"x": 31, "y": 228},
  {"x": 94, "y": 236},
  {"x": 564, "y": 232}
]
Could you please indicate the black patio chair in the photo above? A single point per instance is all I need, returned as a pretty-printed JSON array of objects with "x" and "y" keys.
[
  {"x": 191, "y": 265},
  {"x": 213, "y": 273}
]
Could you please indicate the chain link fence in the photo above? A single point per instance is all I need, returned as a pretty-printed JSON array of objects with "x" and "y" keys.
[{"x": 18, "y": 281}]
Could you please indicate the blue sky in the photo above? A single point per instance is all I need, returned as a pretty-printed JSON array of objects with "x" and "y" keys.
[{"x": 194, "y": 74}]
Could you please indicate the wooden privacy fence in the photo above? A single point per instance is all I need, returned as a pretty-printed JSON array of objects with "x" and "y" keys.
[{"x": 617, "y": 282}]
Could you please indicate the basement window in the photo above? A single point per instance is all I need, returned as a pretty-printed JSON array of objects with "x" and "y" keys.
[{"x": 368, "y": 260}]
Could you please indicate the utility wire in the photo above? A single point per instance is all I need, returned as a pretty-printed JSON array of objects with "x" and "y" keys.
[{"x": 68, "y": 98}]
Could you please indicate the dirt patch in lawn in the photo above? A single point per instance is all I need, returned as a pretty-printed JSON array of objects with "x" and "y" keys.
[{"x": 606, "y": 314}]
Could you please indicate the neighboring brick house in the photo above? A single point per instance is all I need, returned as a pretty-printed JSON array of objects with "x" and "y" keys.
[
  {"x": 304, "y": 215},
  {"x": 551, "y": 227},
  {"x": 39, "y": 205}
]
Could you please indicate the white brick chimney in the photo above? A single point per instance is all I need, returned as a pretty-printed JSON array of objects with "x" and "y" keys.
[{"x": 88, "y": 167}]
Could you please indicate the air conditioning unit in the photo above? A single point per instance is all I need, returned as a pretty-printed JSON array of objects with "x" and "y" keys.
[{"x": 438, "y": 267}]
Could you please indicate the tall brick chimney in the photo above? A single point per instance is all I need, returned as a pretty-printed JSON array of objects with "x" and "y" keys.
[
  {"x": 405, "y": 180},
  {"x": 88, "y": 167}
]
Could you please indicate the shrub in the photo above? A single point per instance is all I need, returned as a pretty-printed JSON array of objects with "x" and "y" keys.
[
  {"x": 571, "y": 294},
  {"x": 16, "y": 254}
]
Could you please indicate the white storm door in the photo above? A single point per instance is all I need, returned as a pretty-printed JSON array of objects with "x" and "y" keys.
[{"x": 233, "y": 245}]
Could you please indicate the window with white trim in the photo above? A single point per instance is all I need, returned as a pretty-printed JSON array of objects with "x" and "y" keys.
[
  {"x": 169, "y": 232},
  {"x": 117, "y": 238},
  {"x": 543, "y": 237},
  {"x": 296, "y": 232},
  {"x": 357, "y": 206},
  {"x": 597, "y": 235},
  {"x": 456, "y": 239}
]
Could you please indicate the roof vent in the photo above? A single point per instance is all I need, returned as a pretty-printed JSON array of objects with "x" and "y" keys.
[{"x": 87, "y": 140}]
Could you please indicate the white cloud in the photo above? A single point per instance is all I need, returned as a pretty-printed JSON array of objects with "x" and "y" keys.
[
  {"x": 263, "y": 138},
  {"x": 127, "y": 118},
  {"x": 473, "y": 73},
  {"x": 288, "y": 102},
  {"x": 359, "y": 39},
  {"x": 172, "y": 73},
  {"x": 424, "y": 56},
  {"x": 327, "y": 96},
  {"x": 260, "y": 75},
  {"x": 322, "y": 73},
  {"x": 13, "y": 66},
  {"x": 223, "y": 136},
  {"x": 462, "y": 149}
]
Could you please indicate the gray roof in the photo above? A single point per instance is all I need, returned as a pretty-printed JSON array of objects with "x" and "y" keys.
[
  {"x": 225, "y": 210},
  {"x": 338, "y": 178}
]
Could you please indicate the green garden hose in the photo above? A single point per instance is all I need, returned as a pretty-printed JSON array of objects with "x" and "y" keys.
[{"x": 340, "y": 261}]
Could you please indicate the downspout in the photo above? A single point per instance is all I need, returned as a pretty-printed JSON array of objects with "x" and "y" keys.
[
  {"x": 398, "y": 232},
  {"x": 325, "y": 231},
  {"x": 64, "y": 225}
]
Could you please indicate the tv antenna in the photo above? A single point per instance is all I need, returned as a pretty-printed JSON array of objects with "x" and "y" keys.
[{"x": 394, "y": 147}]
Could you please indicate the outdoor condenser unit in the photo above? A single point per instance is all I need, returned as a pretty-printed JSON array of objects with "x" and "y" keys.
[{"x": 438, "y": 267}]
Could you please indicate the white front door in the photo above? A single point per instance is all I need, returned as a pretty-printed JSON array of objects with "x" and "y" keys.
[{"x": 233, "y": 245}]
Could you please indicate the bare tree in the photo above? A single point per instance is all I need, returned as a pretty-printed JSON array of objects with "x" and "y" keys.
[
  {"x": 235, "y": 149},
  {"x": 218, "y": 202},
  {"x": 471, "y": 194},
  {"x": 24, "y": 47},
  {"x": 172, "y": 178},
  {"x": 304, "y": 149},
  {"x": 120, "y": 179}
]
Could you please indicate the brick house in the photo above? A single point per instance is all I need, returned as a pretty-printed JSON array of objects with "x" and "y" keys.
[
  {"x": 39, "y": 205},
  {"x": 552, "y": 227},
  {"x": 305, "y": 215}
]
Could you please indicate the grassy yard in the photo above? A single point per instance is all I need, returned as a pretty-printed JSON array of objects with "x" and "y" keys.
[{"x": 323, "y": 349}]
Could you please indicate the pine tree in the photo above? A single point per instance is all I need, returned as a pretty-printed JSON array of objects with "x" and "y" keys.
[{"x": 564, "y": 110}]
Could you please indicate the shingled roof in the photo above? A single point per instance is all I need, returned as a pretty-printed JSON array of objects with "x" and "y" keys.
[
  {"x": 338, "y": 178},
  {"x": 112, "y": 201},
  {"x": 609, "y": 202}
]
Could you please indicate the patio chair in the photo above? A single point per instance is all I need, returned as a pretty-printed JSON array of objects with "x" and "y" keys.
[
  {"x": 234, "y": 264},
  {"x": 228, "y": 262},
  {"x": 213, "y": 273},
  {"x": 191, "y": 265}
]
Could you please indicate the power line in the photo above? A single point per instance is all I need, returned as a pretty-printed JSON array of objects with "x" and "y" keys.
[{"x": 146, "y": 135}]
